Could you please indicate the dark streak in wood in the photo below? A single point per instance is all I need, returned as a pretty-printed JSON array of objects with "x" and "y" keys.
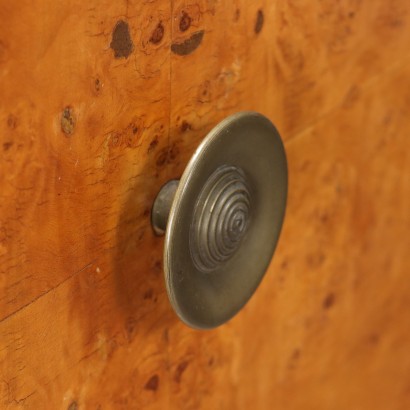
[
  {"x": 259, "y": 21},
  {"x": 121, "y": 40},
  {"x": 157, "y": 34},
  {"x": 185, "y": 21},
  {"x": 152, "y": 383},
  {"x": 189, "y": 45}
]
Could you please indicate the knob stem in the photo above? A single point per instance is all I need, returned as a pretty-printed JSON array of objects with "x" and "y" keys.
[{"x": 162, "y": 206}]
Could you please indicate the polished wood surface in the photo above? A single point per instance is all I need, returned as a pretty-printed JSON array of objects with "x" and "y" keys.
[{"x": 104, "y": 101}]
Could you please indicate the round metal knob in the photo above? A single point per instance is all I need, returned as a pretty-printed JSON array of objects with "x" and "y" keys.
[{"x": 222, "y": 219}]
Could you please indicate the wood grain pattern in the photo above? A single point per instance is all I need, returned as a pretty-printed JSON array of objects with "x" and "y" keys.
[{"x": 102, "y": 102}]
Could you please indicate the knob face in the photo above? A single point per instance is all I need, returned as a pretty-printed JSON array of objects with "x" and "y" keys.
[
  {"x": 221, "y": 218},
  {"x": 225, "y": 220}
]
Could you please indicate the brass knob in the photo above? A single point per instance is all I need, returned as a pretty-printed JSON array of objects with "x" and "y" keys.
[{"x": 222, "y": 219}]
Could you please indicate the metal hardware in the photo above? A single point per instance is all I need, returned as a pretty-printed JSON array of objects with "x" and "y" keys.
[{"x": 222, "y": 219}]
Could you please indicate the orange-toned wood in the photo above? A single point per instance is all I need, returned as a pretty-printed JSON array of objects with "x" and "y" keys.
[{"x": 102, "y": 102}]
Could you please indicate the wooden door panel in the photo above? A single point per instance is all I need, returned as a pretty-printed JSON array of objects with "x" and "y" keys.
[{"x": 102, "y": 102}]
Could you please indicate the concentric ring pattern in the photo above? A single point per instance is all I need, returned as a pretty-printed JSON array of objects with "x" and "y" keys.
[{"x": 221, "y": 218}]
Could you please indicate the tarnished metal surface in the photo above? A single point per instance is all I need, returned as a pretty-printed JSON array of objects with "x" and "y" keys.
[{"x": 224, "y": 219}]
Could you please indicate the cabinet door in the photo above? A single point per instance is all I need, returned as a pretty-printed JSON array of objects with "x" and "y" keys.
[{"x": 102, "y": 102}]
